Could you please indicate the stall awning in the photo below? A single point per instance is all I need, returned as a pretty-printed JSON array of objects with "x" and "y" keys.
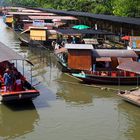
[
  {"x": 7, "y": 54},
  {"x": 131, "y": 66}
]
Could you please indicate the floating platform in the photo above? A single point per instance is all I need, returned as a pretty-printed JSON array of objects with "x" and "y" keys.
[{"x": 132, "y": 96}]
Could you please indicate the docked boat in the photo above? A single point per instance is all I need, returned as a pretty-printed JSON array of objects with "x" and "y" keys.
[
  {"x": 101, "y": 66},
  {"x": 20, "y": 88}
]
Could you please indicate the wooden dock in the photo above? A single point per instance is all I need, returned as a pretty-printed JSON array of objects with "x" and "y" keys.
[{"x": 131, "y": 96}]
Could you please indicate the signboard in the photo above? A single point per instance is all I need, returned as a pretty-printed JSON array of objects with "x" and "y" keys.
[
  {"x": 38, "y": 23},
  {"x": 135, "y": 42}
]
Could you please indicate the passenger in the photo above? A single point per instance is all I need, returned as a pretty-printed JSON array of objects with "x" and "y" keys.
[
  {"x": 18, "y": 84},
  {"x": 7, "y": 80},
  {"x": 103, "y": 74}
]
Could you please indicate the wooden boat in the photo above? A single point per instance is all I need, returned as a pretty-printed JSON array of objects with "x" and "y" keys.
[
  {"x": 109, "y": 78},
  {"x": 132, "y": 96},
  {"x": 100, "y": 65},
  {"x": 28, "y": 91}
]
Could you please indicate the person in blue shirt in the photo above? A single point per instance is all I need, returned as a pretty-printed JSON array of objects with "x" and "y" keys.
[{"x": 7, "y": 80}]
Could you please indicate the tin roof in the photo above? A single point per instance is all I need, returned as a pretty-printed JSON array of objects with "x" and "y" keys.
[
  {"x": 131, "y": 66},
  {"x": 114, "y": 53}
]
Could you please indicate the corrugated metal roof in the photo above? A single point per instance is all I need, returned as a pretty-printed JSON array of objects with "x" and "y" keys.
[
  {"x": 79, "y": 46},
  {"x": 135, "y": 21},
  {"x": 130, "y": 66},
  {"x": 7, "y": 54},
  {"x": 114, "y": 53}
]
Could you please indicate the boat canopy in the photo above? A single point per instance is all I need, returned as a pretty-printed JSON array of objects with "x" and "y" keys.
[
  {"x": 7, "y": 54},
  {"x": 79, "y": 46},
  {"x": 114, "y": 53},
  {"x": 131, "y": 66}
]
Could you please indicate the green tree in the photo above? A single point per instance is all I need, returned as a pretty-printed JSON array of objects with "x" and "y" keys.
[{"x": 127, "y": 8}]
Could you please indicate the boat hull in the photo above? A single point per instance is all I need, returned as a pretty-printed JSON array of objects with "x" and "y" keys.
[
  {"x": 18, "y": 96},
  {"x": 108, "y": 80}
]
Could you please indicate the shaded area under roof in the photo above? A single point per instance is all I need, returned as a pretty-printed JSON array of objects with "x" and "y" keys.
[
  {"x": 7, "y": 54},
  {"x": 135, "y": 21},
  {"x": 114, "y": 53},
  {"x": 84, "y": 31},
  {"x": 131, "y": 66},
  {"x": 68, "y": 31}
]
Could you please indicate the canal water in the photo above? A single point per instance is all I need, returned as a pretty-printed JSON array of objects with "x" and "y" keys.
[{"x": 66, "y": 109}]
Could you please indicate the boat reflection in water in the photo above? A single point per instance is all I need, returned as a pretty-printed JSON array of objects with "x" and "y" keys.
[
  {"x": 129, "y": 116},
  {"x": 17, "y": 119},
  {"x": 77, "y": 94}
]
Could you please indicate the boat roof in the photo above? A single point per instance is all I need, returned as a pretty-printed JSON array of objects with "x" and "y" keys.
[
  {"x": 7, "y": 54},
  {"x": 131, "y": 66},
  {"x": 53, "y": 17},
  {"x": 114, "y": 53},
  {"x": 79, "y": 46},
  {"x": 30, "y": 13}
]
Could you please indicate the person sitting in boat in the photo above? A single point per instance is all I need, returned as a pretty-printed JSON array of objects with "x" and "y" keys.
[
  {"x": 7, "y": 80},
  {"x": 103, "y": 74},
  {"x": 18, "y": 84}
]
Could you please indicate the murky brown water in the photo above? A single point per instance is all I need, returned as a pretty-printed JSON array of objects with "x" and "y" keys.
[{"x": 65, "y": 110}]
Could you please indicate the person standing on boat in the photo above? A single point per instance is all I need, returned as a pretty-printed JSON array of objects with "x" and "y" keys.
[{"x": 7, "y": 80}]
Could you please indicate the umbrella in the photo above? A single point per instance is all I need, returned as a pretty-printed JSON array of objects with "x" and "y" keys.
[
  {"x": 125, "y": 38},
  {"x": 80, "y": 27}
]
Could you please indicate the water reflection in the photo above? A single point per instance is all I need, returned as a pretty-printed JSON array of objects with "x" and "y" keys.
[
  {"x": 77, "y": 93},
  {"x": 17, "y": 120},
  {"x": 129, "y": 114}
]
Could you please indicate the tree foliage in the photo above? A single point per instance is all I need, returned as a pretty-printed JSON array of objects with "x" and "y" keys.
[{"x": 128, "y": 8}]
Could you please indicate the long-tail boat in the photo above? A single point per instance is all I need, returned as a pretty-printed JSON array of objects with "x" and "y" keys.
[
  {"x": 99, "y": 66},
  {"x": 28, "y": 91}
]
